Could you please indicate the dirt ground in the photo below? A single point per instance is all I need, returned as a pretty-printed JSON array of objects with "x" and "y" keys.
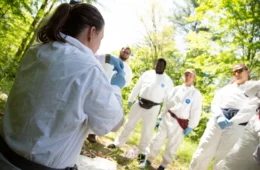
[{"x": 118, "y": 155}]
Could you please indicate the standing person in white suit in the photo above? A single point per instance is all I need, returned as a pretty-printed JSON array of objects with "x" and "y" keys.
[
  {"x": 124, "y": 55},
  {"x": 245, "y": 155},
  {"x": 180, "y": 114},
  {"x": 151, "y": 88},
  {"x": 231, "y": 109}
]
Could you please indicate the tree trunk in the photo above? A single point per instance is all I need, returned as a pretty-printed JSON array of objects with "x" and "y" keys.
[
  {"x": 31, "y": 30},
  {"x": 39, "y": 25}
]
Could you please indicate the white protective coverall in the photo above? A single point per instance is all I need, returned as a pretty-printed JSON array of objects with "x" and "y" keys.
[
  {"x": 128, "y": 75},
  {"x": 186, "y": 103},
  {"x": 241, "y": 155},
  {"x": 60, "y": 91},
  {"x": 216, "y": 142},
  {"x": 153, "y": 87}
]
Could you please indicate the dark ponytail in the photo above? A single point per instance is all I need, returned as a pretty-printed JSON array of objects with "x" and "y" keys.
[
  {"x": 50, "y": 31},
  {"x": 70, "y": 20}
]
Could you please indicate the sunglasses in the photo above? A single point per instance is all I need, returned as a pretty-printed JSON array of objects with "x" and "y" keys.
[{"x": 239, "y": 71}]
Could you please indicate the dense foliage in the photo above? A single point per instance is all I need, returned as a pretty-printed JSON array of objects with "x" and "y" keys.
[{"x": 219, "y": 33}]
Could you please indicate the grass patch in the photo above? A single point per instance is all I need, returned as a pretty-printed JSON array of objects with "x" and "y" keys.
[{"x": 181, "y": 162}]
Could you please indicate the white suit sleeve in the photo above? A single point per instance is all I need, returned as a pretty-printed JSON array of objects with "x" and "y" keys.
[
  {"x": 167, "y": 101},
  {"x": 196, "y": 109},
  {"x": 136, "y": 88},
  {"x": 101, "y": 58},
  {"x": 168, "y": 91},
  {"x": 247, "y": 112},
  {"x": 256, "y": 154},
  {"x": 129, "y": 76},
  {"x": 215, "y": 104},
  {"x": 253, "y": 87},
  {"x": 164, "y": 109},
  {"x": 103, "y": 105},
  {"x": 169, "y": 87}
]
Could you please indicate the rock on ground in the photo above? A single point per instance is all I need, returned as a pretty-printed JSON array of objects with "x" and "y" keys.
[{"x": 97, "y": 163}]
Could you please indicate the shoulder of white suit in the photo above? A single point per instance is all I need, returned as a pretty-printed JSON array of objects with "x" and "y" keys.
[{"x": 197, "y": 91}]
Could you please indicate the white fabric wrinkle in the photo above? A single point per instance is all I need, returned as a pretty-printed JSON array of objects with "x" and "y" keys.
[
  {"x": 55, "y": 112},
  {"x": 151, "y": 86}
]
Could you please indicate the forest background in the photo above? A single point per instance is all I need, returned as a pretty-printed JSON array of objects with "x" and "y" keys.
[{"x": 218, "y": 34}]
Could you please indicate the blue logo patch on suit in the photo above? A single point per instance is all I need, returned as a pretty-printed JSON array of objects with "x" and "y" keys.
[{"x": 187, "y": 101}]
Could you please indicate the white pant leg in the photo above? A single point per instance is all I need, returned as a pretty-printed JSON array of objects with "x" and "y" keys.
[
  {"x": 207, "y": 147},
  {"x": 229, "y": 138},
  {"x": 240, "y": 156},
  {"x": 157, "y": 141},
  {"x": 149, "y": 117},
  {"x": 90, "y": 132},
  {"x": 175, "y": 137},
  {"x": 133, "y": 118}
]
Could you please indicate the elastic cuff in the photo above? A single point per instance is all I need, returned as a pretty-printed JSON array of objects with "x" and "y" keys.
[
  {"x": 218, "y": 116},
  {"x": 107, "y": 60}
]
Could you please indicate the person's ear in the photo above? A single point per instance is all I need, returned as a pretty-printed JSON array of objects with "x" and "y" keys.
[{"x": 91, "y": 33}]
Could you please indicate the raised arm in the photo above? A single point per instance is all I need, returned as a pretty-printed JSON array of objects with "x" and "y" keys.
[
  {"x": 196, "y": 109},
  {"x": 248, "y": 111},
  {"x": 103, "y": 104},
  {"x": 136, "y": 88},
  {"x": 215, "y": 104}
]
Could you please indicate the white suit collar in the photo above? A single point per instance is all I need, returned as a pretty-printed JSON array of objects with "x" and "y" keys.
[
  {"x": 77, "y": 43},
  {"x": 188, "y": 87}
]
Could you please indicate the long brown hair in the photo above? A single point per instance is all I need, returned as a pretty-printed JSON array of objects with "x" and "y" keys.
[{"x": 70, "y": 20}]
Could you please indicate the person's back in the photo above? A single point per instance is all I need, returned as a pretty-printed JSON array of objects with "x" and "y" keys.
[
  {"x": 60, "y": 91},
  {"x": 49, "y": 92}
]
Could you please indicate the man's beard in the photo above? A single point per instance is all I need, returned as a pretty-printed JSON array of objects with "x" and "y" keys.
[{"x": 122, "y": 58}]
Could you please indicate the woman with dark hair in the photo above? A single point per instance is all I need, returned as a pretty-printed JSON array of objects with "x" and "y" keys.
[{"x": 60, "y": 91}]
